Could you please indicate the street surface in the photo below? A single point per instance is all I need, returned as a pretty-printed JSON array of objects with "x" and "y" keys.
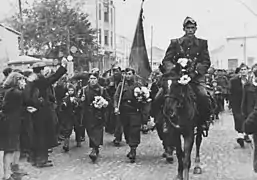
[{"x": 221, "y": 158}]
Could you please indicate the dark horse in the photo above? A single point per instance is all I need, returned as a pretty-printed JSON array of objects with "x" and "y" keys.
[{"x": 180, "y": 113}]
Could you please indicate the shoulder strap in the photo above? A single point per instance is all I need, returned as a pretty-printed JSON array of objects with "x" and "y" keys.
[{"x": 181, "y": 48}]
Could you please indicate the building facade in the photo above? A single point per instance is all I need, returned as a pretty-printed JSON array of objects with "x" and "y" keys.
[
  {"x": 123, "y": 49},
  {"x": 235, "y": 51},
  {"x": 101, "y": 14},
  {"x": 157, "y": 56}
]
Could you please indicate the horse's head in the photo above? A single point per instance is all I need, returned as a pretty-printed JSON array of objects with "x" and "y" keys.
[
  {"x": 178, "y": 98},
  {"x": 172, "y": 96}
]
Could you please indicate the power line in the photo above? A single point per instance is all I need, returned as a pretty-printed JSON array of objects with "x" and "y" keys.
[{"x": 247, "y": 7}]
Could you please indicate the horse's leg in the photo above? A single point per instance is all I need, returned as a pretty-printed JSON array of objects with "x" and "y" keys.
[
  {"x": 188, "y": 145},
  {"x": 198, "y": 141},
  {"x": 180, "y": 156}
]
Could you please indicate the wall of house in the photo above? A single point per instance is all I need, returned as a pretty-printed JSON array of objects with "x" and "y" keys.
[{"x": 236, "y": 51}]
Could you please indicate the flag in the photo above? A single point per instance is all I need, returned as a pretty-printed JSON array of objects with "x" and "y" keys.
[{"x": 138, "y": 58}]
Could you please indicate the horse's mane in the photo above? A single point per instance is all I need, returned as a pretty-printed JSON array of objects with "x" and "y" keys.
[{"x": 184, "y": 93}]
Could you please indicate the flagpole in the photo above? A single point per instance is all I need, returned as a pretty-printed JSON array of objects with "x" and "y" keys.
[{"x": 142, "y": 4}]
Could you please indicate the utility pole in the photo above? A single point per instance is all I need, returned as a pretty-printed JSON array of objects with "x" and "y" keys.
[
  {"x": 21, "y": 29},
  {"x": 152, "y": 47},
  {"x": 245, "y": 39}
]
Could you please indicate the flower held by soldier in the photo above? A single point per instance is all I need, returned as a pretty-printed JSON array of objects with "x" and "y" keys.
[
  {"x": 142, "y": 94},
  {"x": 183, "y": 62},
  {"x": 184, "y": 80},
  {"x": 100, "y": 102}
]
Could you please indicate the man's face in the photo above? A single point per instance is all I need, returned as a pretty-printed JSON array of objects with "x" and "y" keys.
[
  {"x": 244, "y": 71},
  {"x": 93, "y": 80},
  {"x": 116, "y": 71},
  {"x": 129, "y": 75},
  {"x": 190, "y": 30},
  {"x": 71, "y": 91}
]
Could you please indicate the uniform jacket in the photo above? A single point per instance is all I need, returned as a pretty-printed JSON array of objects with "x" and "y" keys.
[
  {"x": 196, "y": 51},
  {"x": 127, "y": 99}
]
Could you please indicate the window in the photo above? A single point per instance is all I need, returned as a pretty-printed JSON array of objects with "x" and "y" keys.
[
  {"x": 100, "y": 37},
  {"x": 106, "y": 37},
  {"x": 111, "y": 39},
  {"x": 100, "y": 11},
  {"x": 106, "y": 13}
]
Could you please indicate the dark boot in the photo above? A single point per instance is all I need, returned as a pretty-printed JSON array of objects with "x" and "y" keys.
[
  {"x": 164, "y": 154},
  {"x": 16, "y": 170},
  {"x": 169, "y": 155},
  {"x": 247, "y": 139},
  {"x": 132, "y": 154},
  {"x": 240, "y": 141},
  {"x": 116, "y": 142},
  {"x": 94, "y": 154},
  {"x": 66, "y": 146}
]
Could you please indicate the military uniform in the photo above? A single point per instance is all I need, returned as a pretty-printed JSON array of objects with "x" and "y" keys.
[
  {"x": 130, "y": 114},
  {"x": 197, "y": 50}
]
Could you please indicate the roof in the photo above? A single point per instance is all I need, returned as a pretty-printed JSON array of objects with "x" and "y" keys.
[
  {"x": 10, "y": 29},
  {"x": 241, "y": 37}
]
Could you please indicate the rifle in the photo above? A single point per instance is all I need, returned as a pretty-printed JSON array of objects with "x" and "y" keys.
[{"x": 121, "y": 90}]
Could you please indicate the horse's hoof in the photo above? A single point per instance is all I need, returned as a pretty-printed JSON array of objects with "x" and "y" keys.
[
  {"x": 178, "y": 177},
  {"x": 197, "y": 170}
]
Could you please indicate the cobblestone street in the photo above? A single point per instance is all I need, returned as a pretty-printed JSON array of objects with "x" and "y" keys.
[{"x": 221, "y": 157}]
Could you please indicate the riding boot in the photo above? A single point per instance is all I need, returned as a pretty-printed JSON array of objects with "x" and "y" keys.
[{"x": 66, "y": 147}]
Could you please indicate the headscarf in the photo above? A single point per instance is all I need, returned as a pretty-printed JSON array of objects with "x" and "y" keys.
[{"x": 12, "y": 80}]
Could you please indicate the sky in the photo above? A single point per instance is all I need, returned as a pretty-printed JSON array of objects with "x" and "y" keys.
[{"x": 216, "y": 19}]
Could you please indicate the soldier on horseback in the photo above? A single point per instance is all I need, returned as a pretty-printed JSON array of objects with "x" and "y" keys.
[{"x": 195, "y": 49}]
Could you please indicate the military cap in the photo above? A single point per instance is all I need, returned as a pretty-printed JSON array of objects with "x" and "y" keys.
[
  {"x": 94, "y": 74},
  {"x": 95, "y": 70},
  {"x": 189, "y": 20},
  {"x": 130, "y": 69},
  {"x": 38, "y": 65},
  {"x": 116, "y": 68}
]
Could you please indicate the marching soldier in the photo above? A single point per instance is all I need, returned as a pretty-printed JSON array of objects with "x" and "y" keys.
[
  {"x": 113, "y": 122},
  {"x": 130, "y": 111},
  {"x": 93, "y": 113},
  {"x": 195, "y": 49}
]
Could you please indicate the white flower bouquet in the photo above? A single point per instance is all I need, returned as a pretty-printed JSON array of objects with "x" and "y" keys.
[
  {"x": 183, "y": 62},
  {"x": 184, "y": 80},
  {"x": 142, "y": 94},
  {"x": 99, "y": 102}
]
